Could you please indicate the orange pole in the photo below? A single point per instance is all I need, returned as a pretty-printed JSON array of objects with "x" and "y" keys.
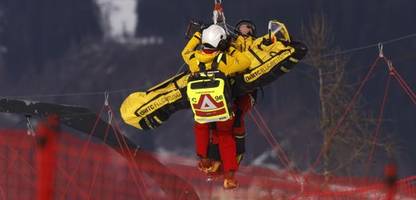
[{"x": 47, "y": 132}]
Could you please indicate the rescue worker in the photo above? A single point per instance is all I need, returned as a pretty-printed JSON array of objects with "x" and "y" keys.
[
  {"x": 242, "y": 105},
  {"x": 246, "y": 31},
  {"x": 229, "y": 61},
  {"x": 246, "y": 35}
]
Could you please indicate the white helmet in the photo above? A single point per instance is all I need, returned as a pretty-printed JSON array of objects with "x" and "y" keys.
[{"x": 213, "y": 35}]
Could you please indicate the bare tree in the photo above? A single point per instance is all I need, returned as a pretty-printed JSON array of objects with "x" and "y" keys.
[{"x": 348, "y": 149}]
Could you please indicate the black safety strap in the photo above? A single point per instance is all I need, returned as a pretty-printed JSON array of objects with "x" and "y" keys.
[
  {"x": 238, "y": 117},
  {"x": 232, "y": 52},
  {"x": 255, "y": 55},
  {"x": 214, "y": 66},
  {"x": 202, "y": 67},
  {"x": 259, "y": 46},
  {"x": 197, "y": 37}
]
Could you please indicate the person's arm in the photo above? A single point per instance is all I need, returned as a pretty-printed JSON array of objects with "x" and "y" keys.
[
  {"x": 238, "y": 43},
  {"x": 188, "y": 51},
  {"x": 235, "y": 62}
]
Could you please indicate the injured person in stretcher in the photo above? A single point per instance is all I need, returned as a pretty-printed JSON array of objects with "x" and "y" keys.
[{"x": 219, "y": 86}]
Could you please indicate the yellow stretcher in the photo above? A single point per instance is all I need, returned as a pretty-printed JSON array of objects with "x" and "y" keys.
[{"x": 148, "y": 110}]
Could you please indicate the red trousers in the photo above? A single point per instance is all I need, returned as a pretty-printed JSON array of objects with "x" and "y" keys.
[
  {"x": 223, "y": 134},
  {"x": 226, "y": 142}
]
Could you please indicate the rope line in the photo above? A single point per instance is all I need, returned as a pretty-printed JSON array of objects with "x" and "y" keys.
[
  {"x": 83, "y": 152},
  {"x": 124, "y": 147},
  {"x": 273, "y": 139},
  {"x": 405, "y": 86},
  {"x": 275, "y": 147},
  {"x": 97, "y": 167},
  {"x": 347, "y": 110},
  {"x": 135, "y": 167},
  {"x": 378, "y": 126},
  {"x": 93, "y": 93},
  {"x": 406, "y": 90},
  {"x": 262, "y": 131},
  {"x": 348, "y": 51}
]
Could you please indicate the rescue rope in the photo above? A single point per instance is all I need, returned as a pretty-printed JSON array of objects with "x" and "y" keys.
[
  {"x": 180, "y": 69},
  {"x": 272, "y": 138},
  {"x": 105, "y": 107},
  {"x": 348, "y": 51},
  {"x": 392, "y": 73},
  {"x": 73, "y": 94},
  {"x": 124, "y": 147},
  {"x": 276, "y": 147},
  {"x": 83, "y": 152},
  {"x": 97, "y": 167},
  {"x": 378, "y": 125},
  {"x": 406, "y": 88},
  {"x": 262, "y": 131},
  {"x": 347, "y": 110}
]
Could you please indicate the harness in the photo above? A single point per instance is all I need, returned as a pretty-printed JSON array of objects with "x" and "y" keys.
[{"x": 209, "y": 93}]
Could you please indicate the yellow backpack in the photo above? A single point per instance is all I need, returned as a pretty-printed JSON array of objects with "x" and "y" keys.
[{"x": 209, "y": 94}]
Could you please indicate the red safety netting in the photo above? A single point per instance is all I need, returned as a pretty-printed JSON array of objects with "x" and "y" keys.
[{"x": 102, "y": 173}]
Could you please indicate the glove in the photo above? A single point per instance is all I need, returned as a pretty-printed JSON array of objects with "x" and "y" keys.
[
  {"x": 224, "y": 44},
  {"x": 267, "y": 41},
  {"x": 193, "y": 27},
  {"x": 155, "y": 120}
]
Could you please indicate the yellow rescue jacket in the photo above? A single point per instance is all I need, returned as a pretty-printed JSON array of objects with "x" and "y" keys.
[
  {"x": 243, "y": 43},
  {"x": 231, "y": 62}
]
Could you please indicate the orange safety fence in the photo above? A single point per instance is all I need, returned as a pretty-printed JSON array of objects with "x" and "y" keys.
[{"x": 102, "y": 173}]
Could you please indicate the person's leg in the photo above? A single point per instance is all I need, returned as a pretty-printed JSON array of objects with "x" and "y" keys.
[
  {"x": 214, "y": 154},
  {"x": 243, "y": 105},
  {"x": 239, "y": 132},
  {"x": 201, "y": 132},
  {"x": 228, "y": 153}
]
